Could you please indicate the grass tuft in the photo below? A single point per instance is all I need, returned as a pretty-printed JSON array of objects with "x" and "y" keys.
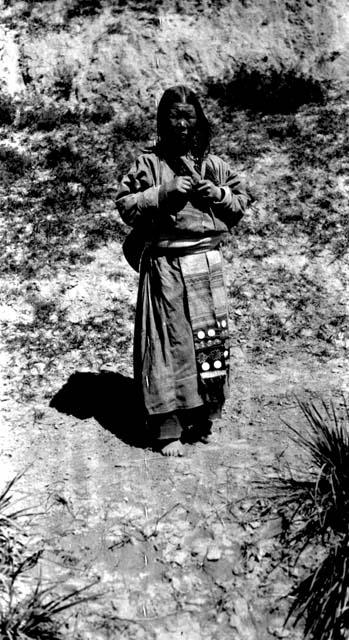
[
  {"x": 314, "y": 509},
  {"x": 315, "y": 504},
  {"x": 28, "y": 609},
  {"x": 35, "y": 616},
  {"x": 327, "y": 443},
  {"x": 322, "y": 597}
]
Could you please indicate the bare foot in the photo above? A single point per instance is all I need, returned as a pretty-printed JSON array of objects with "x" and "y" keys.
[{"x": 174, "y": 448}]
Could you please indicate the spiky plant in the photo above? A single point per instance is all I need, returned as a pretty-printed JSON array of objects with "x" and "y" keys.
[
  {"x": 314, "y": 506},
  {"x": 322, "y": 598},
  {"x": 13, "y": 557},
  {"x": 34, "y": 617},
  {"x": 315, "y": 503},
  {"x": 328, "y": 446},
  {"x": 27, "y": 614}
]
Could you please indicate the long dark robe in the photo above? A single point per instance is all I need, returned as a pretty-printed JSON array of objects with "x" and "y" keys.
[{"x": 181, "y": 344}]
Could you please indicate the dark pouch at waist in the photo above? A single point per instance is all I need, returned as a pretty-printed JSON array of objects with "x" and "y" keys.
[{"x": 133, "y": 248}]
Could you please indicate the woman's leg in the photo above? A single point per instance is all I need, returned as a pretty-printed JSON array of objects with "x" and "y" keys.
[
  {"x": 166, "y": 430},
  {"x": 196, "y": 424}
]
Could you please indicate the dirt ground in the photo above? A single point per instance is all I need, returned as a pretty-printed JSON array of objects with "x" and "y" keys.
[{"x": 170, "y": 543}]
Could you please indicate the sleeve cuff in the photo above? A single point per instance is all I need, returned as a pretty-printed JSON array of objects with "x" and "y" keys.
[
  {"x": 149, "y": 199},
  {"x": 225, "y": 197}
]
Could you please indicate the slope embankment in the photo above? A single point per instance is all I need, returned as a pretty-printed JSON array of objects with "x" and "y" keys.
[{"x": 128, "y": 54}]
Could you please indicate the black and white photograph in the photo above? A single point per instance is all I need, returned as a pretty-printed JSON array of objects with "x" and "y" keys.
[{"x": 174, "y": 320}]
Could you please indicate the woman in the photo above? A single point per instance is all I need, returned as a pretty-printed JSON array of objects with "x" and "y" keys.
[{"x": 182, "y": 202}]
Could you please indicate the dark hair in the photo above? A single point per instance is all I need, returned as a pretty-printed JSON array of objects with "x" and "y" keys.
[{"x": 181, "y": 93}]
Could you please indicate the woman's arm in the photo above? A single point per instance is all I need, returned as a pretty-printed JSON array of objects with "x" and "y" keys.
[
  {"x": 142, "y": 192},
  {"x": 138, "y": 194},
  {"x": 231, "y": 205}
]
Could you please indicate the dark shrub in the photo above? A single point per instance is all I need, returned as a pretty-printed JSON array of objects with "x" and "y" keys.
[
  {"x": 12, "y": 162},
  {"x": 39, "y": 117},
  {"x": 172, "y": 6},
  {"x": 269, "y": 90},
  {"x": 83, "y": 8},
  {"x": 101, "y": 112},
  {"x": 73, "y": 162},
  {"x": 63, "y": 82},
  {"x": 46, "y": 117},
  {"x": 61, "y": 153},
  {"x": 138, "y": 126},
  {"x": 7, "y": 110}
]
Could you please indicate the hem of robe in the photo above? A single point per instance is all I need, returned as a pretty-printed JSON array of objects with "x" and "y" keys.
[{"x": 172, "y": 425}]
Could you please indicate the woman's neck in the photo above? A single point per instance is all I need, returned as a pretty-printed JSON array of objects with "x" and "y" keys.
[{"x": 176, "y": 154}]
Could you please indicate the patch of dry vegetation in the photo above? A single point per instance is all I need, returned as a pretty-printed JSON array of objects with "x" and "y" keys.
[
  {"x": 28, "y": 609},
  {"x": 312, "y": 501}
]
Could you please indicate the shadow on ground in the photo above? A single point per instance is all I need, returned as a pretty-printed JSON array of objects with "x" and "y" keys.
[{"x": 108, "y": 397}]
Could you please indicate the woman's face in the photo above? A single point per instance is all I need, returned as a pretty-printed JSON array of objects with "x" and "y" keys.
[{"x": 182, "y": 123}]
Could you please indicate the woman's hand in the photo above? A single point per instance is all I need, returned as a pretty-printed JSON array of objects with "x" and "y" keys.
[
  {"x": 177, "y": 190},
  {"x": 209, "y": 191},
  {"x": 179, "y": 184}
]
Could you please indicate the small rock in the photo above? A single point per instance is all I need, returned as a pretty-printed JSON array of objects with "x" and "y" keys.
[
  {"x": 278, "y": 631},
  {"x": 199, "y": 547},
  {"x": 180, "y": 557},
  {"x": 243, "y": 630},
  {"x": 254, "y": 524},
  {"x": 213, "y": 553}
]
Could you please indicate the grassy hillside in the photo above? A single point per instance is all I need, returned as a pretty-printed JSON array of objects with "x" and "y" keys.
[{"x": 65, "y": 143}]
